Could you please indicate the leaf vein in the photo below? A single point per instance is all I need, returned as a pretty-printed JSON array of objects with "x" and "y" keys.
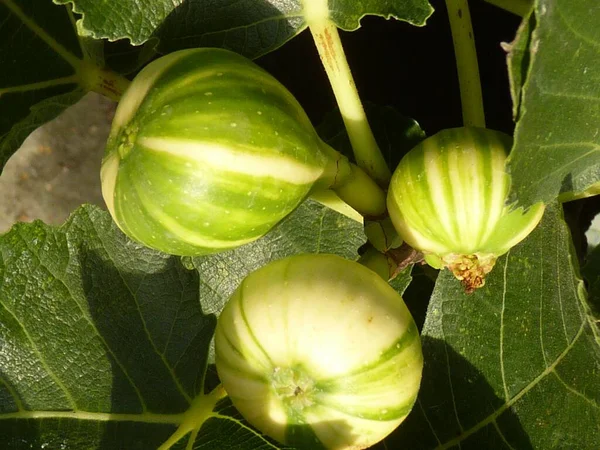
[
  {"x": 244, "y": 426},
  {"x": 43, "y": 35},
  {"x": 571, "y": 28},
  {"x": 499, "y": 431},
  {"x": 504, "y": 287},
  {"x": 13, "y": 393},
  {"x": 574, "y": 391},
  {"x": 428, "y": 422},
  {"x": 489, "y": 419},
  {"x": 552, "y": 173},
  {"x": 450, "y": 383},
  {"x": 143, "y": 322},
  {"x": 559, "y": 293},
  {"x": 541, "y": 318},
  {"x": 89, "y": 321},
  {"x": 77, "y": 414},
  {"x": 42, "y": 360}
]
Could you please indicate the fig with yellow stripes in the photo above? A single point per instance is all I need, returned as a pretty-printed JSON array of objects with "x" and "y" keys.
[
  {"x": 319, "y": 352},
  {"x": 208, "y": 152},
  {"x": 448, "y": 199}
]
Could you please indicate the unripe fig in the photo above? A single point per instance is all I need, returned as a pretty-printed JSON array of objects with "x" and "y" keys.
[
  {"x": 319, "y": 352},
  {"x": 448, "y": 199},
  {"x": 207, "y": 152}
]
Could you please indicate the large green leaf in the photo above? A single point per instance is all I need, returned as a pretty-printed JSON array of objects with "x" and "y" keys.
[
  {"x": 557, "y": 139},
  {"x": 38, "y": 54},
  {"x": 347, "y": 13},
  {"x": 516, "y": 364},
  {"x": 249, "y": 27},
  {"x": 518, "y": 60},
  {"x": 104, "y": 343}
]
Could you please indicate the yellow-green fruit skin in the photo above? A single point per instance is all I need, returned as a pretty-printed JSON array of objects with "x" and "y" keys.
[
  {"x": 319, "y": 352},
  {"x": 207, "y": 152},
  {"x": 448, "y": 197}
]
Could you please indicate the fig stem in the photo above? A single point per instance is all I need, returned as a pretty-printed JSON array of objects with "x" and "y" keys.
[
  {"x": 518, "y": 7},
  {"x": 103, "y": 81},
  {"x": 330, "y": 199},
  {"x": 377, "y": 262},
  {"x": 382, "y": 234},
  {"x": 466, "y": 63},
  {"x": 354, "y": 186},
  {"x": 327, "y": 40}
]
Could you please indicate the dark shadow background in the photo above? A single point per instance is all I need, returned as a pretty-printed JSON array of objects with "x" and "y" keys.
[
  {"x": 446, "y": 372},
  {"x": 407, "y": 67}
]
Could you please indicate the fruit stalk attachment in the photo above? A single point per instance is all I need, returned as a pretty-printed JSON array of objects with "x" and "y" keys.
[{"x": 199, "y": 412}]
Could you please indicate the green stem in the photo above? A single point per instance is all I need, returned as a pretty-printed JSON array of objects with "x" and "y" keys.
[
  {"x": 71, "y": 79},
  {"x": 351, "y": 184},
  {"x": 200, "y": 410},
  {"x": 361, "y": 193},
  {"x": 330, "y": 199},
  {"x": 382, "y": 235},
  {"x": 466, "y": 63},
  {"x": 377, "y": 262},
  {"x": 518, "y": 7},
  {"x": 103, "y": 81},
  {"x": 327, "y": 39}
]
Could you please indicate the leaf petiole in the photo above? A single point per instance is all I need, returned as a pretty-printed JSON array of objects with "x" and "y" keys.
[
  {"x": 327, "y": 39},
  {"x": 466, "y": 63},
  {"x": 87, "y": 73},
  {"x": 103, "y": 81}
]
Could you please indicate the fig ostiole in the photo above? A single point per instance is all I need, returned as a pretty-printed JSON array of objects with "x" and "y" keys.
[
  {"x": 448, "y": 199},
  {"x": 319, "y": 352}
]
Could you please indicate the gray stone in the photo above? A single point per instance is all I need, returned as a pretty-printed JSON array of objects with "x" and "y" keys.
[{"x": 58, "y": 166}]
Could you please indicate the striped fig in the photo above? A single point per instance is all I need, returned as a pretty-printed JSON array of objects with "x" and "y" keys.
[
  {"x": 208, "y": 152},
  {"x": 319, "y": 352},
  {"x": 448, "y": 199}
]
